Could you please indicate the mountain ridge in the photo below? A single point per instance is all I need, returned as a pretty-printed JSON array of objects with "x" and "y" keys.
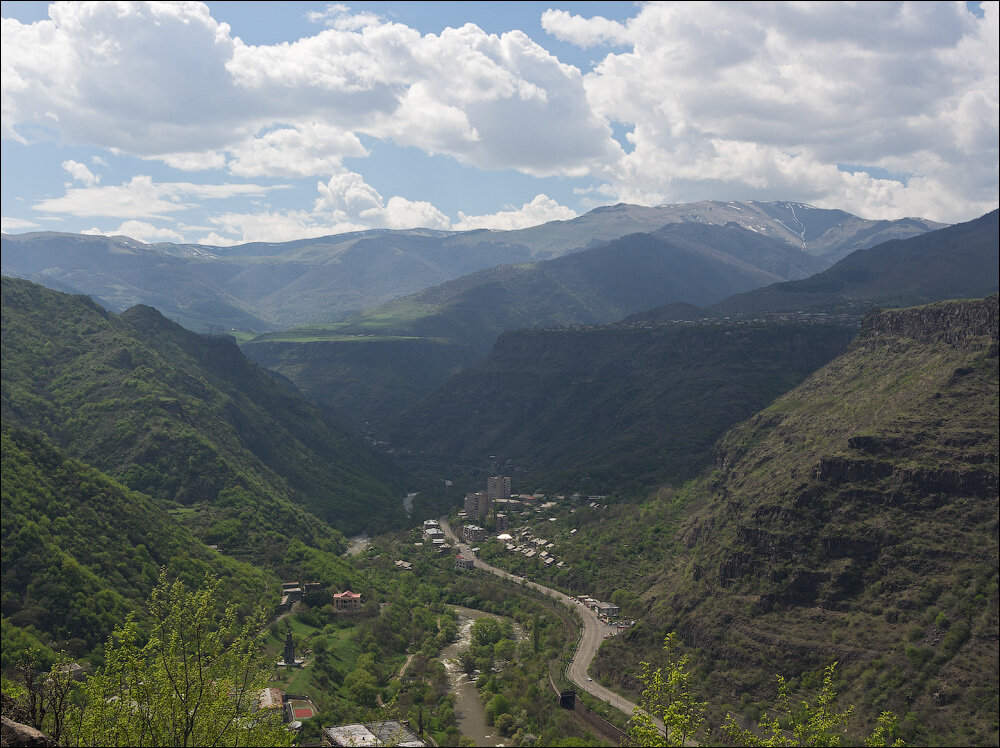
[
  {"x": 264, "y": 286},
  {"x": 679, "y": 262}
]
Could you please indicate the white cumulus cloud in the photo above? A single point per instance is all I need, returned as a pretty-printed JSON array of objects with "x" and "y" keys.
[
  {"x": 347, "y": 199},
  {"x": 10, "y": 223},
  {"x": 80, "y": 172},
  {"x": 802, "y": 101},
  {"x": 584, "y": 32},
  {"x": 541, "y": 209},
  {"x": 142, "y": 197},
  {"x": 141, "y": 230},
  {"x": 167, "y": 80},
  {"x": 878, "y": 108},
  {"x": 345, "y": 202},
  {"x": 301, "y": 151}
]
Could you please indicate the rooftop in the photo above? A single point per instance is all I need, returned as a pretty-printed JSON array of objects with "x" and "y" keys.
[{"x": 389, "y": 732}]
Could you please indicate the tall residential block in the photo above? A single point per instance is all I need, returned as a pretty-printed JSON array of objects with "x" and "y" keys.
[
  {"x": 477, "y": 505},
  {"x": 498, "y": 487}
]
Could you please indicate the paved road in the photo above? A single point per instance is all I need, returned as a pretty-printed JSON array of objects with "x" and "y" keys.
[{"x": 590, "y": 639}]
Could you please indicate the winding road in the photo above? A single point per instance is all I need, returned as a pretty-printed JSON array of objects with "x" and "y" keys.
[{"x": 590, "y": 639}]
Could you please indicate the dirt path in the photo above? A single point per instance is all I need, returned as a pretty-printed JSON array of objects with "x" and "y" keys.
[{"x": 402, "y": 669}]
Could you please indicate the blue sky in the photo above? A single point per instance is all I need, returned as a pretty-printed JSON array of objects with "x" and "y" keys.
[{"x": 228, "y": 122}]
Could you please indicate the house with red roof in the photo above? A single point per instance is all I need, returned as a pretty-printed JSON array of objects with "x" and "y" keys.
[{"x": 347, "y": 601}]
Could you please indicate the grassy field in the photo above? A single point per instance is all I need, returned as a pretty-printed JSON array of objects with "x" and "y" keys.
[{"x": 334, "y": 332}]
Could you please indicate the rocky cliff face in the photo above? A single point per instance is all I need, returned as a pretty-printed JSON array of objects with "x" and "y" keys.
[
  {"x": 955, "y": 324},
  {"x": 855, "y": 520}
]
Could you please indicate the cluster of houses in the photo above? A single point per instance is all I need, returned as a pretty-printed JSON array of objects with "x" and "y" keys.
[
  {"x": 605, "y": 611},
  {"x": 530, "y": 547},
  {"x": 434, "y": 534}
]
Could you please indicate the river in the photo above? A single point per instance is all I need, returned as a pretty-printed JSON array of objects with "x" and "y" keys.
[
  {"x": 357, "y": 544},
  {"x": 469, "y": 709},
  {"x": 408, "y": 503}
]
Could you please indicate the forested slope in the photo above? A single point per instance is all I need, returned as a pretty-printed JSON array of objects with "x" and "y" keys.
[
  {"x": 81, "y": 551},
  {"x": 186, "y": 419},
  {"x": 619, "y": 408},
  {"x": 854, "y": 520}
]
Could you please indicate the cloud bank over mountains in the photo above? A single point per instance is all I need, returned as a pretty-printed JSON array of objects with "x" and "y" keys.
[{"x": 883, "y": 110}]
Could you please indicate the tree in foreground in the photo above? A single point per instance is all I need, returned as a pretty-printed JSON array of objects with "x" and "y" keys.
[
  {"x": 666, "y": 696},
  {"x": 813, "y": 722},
  {"x": 196, "y": 681},
  {"x": 42, "y": 700}
]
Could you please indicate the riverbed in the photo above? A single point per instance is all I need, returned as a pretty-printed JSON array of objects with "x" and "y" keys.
[
  {"x": 357, "y": 544},
  {"x": 469, "y": 710}
]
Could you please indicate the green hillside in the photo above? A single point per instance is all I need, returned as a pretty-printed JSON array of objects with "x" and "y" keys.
[
  {"x": 81, "y": 551},
  {"x": 188, "y": 420},
  {"x": 615, "y": 408},
  {"x": 853, "y": 520},
  {"x": 458, "y": 321},
  {"x": 682, "y": 262}
]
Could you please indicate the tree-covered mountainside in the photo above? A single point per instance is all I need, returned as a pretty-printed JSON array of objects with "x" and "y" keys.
[
  {"x": 186, "y": 419},
  {"x": 613, "y": 408},
  {"x": 81, "y": 551},
  {"x": 853, "y": 520},
  {"x": 425, "y": 337},
  {"x": 264, "y": 286},
  {"x": 682, "y": 262},
  {"x": 959, "y": 261}
]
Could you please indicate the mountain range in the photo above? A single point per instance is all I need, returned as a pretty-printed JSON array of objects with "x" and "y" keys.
[
  {"x": 953, "y": 262},
  {"x": 377, "y": 363},
  {"x": 654, "y": 394},
  {"x": 267, "y": 286},
  {"x": 799, "y": 477}
]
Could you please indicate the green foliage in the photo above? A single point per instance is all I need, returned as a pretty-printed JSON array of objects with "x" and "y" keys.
[
  {"x": 885, "y": 732},
  {"x": 43, "y": 700},
  {"x": 810, "y": 722},
  {"x": 195, "y": 680},
  {"x": 814, "y": 722},
  {"x": 837, "y": 525},
  {"x": 667, "y": 696},
  {"x": 185, "y": 418},
  {"x": 489, "y": 631},
  {"x": 620, "y": 408},
  {"x": 81, "y": 552}
]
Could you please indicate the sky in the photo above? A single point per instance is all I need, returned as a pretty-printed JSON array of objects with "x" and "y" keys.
[{"x": 228, "y": 122}]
